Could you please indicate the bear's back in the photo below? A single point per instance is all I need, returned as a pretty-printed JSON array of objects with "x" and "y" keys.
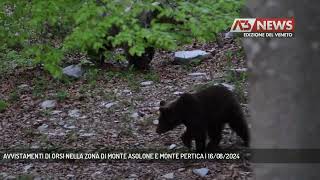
[{"x": 216, "y": 100}]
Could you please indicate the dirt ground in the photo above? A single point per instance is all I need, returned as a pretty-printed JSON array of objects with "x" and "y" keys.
[{"x": 110, "y": 108}]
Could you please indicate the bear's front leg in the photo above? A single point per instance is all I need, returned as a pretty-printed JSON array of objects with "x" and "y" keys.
[
  {"x": 187, "y": 139},
  {"x": 200, "y": 143}
]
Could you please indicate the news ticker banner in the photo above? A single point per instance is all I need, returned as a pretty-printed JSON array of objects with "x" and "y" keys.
[
  {"x": 116, "y": 155},
  {"x": 264, "y": 27},
  {"x": 145, "y": 156}
]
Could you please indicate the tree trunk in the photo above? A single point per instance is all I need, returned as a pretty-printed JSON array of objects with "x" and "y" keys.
[{"x": 285, "y": 88}]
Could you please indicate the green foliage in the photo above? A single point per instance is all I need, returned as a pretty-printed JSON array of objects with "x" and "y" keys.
[
  {"x": 3, "y": 105},
  {"x": 92, "y": 25},
  {"x": 229, "y": 57},
  {"x": 91, "y": 77},
  {"x": 11, "y": 59},
  {"x": 25, "y": 177},
  {"x": 240, "y": 91},
  {"x": 14, "y": 96},
  {"x": 45, "y": 112},
  {"x": 232, "y": 75},
  {"x": 152, "y": 76},
  {"x": 39, "y": 87},
  {"x": 62, "y": 95}
]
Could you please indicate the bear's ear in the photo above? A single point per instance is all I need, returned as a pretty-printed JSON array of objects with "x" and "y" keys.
[{"x": 162, "y": 103}]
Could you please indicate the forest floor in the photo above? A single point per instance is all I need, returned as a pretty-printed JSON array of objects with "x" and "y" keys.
[{"x": 117, "y": 109}]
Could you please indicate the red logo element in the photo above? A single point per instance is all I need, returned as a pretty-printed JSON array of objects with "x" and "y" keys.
[{"x": 243, "y": 25}]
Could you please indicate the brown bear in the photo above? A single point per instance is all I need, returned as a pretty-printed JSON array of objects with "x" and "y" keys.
[{"x": 204, "y": 113}]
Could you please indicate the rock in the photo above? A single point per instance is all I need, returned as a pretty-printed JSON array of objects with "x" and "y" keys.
[
  {"x": 11, "y": 177},
  {"x": 87, "y": 134},
  {"x": 55, "y": 112},
  {"x": 70, "y": 175},
  {"x": 146, "y": 83},
  {"x": 27, "y": 167},
  {"x": 166, "y": 81},
  {"x": 156, "y": 3},
  {"x": 3, "y": 174},
  {"x": 178, "y": 93},
  {"x": 183, "y": 57},
  {"x": 83, "y": 117},
  {"x": 108, "y": 105},
  {"x": 141, "y": 114},
  {"x": 75, "y": 113},
  {"x": 48, "y": 104},
  {"x": 181, "y": 169},
  {"x": 197, "y": 74},
  {"x": 169, "y": 176},
  {"x": 239, "y": 70},
  {"x": 69, "y": 126},
  {"x": 43, "y": 127},
  {"x": 135, "y": 115},
  {"x": 24, "y": 87},
  {"x": 35, "y": 147},
  {"x": 202, "y": 172},
  {"x": 127, "y": 92},
  {"x": 56, "y": 134},
  {"x": 61, "y": 123},
  {"x": 172, "y": 146},
  {"x": 156, "y": 122},
  {"x": 229, "y": 86},
  {"x": 229, "y": 35},
  {"x": 95, "y": 174},
  {"x": 133, "y": 176},
  {"x": 73, "y": 71}
]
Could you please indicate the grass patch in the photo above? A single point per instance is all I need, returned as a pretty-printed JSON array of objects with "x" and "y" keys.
[
  {"x": 152, "y": 76},
  {"x": 71, "y": 137},
  {"x": 146, "y": 122},
  {"x": 62, "y": 95},
  {"x": 25, "y": 177},
  {"x": 39, "y": 88},
  {"x": 14, "y": 96},
  {"x": 192, "y": 64},
  {"x": 11, "y": 59},
  {"x": 91, "y": 74},
  {"x": 45, "y": 112},
  {"x": 3, "y": 105},
  {"x": 240, "y": 92}
]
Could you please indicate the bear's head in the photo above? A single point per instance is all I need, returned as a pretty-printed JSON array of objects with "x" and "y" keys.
[{"x": 172, "y": 113}]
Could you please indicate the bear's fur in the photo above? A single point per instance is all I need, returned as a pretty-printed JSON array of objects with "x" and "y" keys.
[{"x": 204, "y": 114}]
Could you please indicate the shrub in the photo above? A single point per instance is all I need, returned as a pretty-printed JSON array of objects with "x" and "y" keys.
[
  {"x": 3, "y": 106},
  {"x": 62, "y": 95},
  {"x": 98, "y": 26}
]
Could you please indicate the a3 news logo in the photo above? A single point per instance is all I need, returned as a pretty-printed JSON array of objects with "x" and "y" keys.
[{"x": 264, "y": 27}]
